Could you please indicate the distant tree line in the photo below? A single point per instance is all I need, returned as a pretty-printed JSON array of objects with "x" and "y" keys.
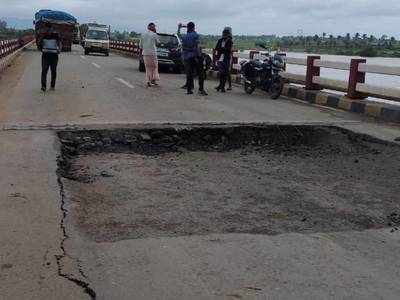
[
  {"x": 358, "y": 44},
  {"x": 124, "y": 35},
  {"x": 12, "y": 33}
]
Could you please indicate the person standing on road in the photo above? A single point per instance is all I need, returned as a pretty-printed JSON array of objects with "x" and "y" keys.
[
  {"x": 223, "y": 51},
  {"x": 148, "y": 44},
  {"x": 50, "y": 46},
  {"x": 192, "y": 58}
]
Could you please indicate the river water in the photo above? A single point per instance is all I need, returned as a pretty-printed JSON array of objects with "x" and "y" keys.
[{"x": 374, "y": 79}]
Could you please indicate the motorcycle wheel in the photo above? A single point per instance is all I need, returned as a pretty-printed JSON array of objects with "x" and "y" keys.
[
  {"x": 276, "y": 89},
  {"x": 249, "y": 88}
]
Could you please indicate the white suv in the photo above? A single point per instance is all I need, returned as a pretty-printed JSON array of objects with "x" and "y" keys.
[{"x": 97, "y": 40}]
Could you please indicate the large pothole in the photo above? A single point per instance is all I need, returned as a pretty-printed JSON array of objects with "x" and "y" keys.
[{"x": 125, "y": 184}]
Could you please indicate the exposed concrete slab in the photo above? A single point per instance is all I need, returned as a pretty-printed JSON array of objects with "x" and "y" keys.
[{"x": 30, "y": 216}]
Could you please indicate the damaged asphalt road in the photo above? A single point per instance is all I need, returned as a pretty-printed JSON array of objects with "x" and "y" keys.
[{"x": 139, "y": 202}]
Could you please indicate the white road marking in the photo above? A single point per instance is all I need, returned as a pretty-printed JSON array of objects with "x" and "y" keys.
[
  {"x": 125, "y": 83},
  {"x": 83, "y": 57},
  {"x": 96, "y": 65}
]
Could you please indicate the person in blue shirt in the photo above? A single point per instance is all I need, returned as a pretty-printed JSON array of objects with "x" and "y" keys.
[{"x": 191, "y": 54}]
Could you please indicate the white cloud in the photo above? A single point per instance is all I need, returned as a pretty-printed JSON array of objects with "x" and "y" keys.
[{"x": 248, "y": 17}]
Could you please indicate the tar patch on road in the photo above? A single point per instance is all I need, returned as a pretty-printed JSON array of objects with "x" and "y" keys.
[{"x": 128, "y": 184}]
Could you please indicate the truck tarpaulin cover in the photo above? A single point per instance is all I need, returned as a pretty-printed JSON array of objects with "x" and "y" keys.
[{"x": 54, "y": 16}]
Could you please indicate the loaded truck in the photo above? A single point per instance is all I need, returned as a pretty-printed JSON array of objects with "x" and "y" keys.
[
  {"x": 95, "y": 38},
  {"x": 77, "y": 35},
  {"x": 61, "y": 22}
]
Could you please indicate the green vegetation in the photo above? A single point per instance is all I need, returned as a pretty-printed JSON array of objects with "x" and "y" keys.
[
  {"x": 124, "y": 35},
  {"x": 11, "y": 33}
]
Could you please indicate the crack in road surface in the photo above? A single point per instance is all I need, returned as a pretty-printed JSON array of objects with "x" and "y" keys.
[{"x": 83, "y": 284}]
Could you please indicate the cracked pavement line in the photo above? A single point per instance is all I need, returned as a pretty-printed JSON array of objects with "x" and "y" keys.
[{"x": 81, "y": 282}]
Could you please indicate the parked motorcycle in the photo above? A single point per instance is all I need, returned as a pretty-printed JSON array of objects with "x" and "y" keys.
[{"x": 264, "y": 74}]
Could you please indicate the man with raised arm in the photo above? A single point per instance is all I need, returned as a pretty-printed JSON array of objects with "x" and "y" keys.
[{"x": 191, "y": 53}]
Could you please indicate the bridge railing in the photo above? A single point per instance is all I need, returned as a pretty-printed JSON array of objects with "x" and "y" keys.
[
  {"x": 127, "y": 47},
  {"x": 355, "y": 87},
  {"x": 10, "y": 48}
]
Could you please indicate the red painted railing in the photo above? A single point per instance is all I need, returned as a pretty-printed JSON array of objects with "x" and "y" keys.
[
  {"x": 355, "y": 87},
  {"x": 131, "y": 48},
  {"x": 9, "y": 46}
]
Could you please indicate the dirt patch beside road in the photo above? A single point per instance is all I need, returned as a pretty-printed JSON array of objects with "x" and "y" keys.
[{"x": 260, "y": 180}]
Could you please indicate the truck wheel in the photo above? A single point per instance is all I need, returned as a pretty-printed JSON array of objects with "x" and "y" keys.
[{"x": 142, "y": 67}]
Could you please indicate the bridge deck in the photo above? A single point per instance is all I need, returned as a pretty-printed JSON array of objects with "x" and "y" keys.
[{"x": 96, "y": 91}]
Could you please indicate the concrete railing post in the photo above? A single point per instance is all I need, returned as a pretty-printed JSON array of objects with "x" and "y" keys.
[
  {"x": 234, "y": 61},
  {"x": 312, "y": 71},
  {"x": 355, "y": 77}
]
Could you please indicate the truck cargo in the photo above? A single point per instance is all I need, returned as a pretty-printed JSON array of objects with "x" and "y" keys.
[{"x": 64, "y": 23}]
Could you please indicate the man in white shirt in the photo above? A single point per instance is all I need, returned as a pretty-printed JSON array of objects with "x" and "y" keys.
[
  {"x": 50, "y": 46},
  {"x": 148, "y": 44}
]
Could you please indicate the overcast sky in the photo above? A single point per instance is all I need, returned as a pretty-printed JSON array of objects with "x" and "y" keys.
[{"x": 246, "y": 17}]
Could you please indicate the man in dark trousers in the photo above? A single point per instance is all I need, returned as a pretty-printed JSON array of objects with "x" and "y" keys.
[
  {"x": 223, "y": 52},
  {"x": 192, "y": 58},
  {"x": 50, "y": 46}
]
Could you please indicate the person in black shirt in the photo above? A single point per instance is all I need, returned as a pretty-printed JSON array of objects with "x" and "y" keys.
[
  {"x": 223, "y": 51},
  {"x": 50, "y": 46}
]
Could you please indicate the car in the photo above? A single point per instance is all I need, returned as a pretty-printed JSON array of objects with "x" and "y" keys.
[
  {"x": 97, "y": 40},
  {"x": 169, "y": 53}
]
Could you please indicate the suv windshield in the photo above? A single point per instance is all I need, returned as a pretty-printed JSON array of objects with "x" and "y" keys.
[
  {"x": 97, "y": 35},
  {"x": 168, "y": 41}
]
